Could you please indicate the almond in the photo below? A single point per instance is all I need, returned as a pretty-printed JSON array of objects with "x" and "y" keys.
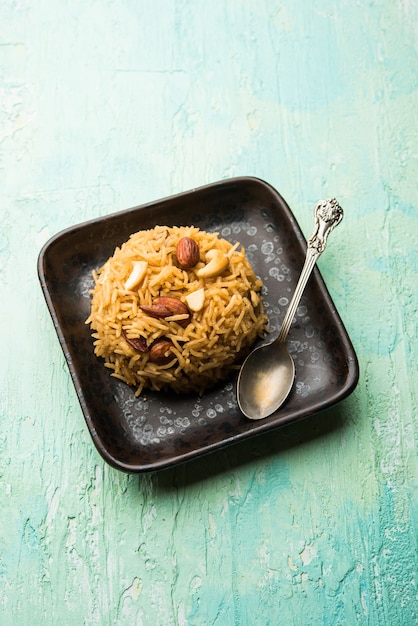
[
  {"x": 137, "y": 343},
  {"x": 166, "y": 307},
  {"x": 156, "y": 310},
  {"x": 160, "y": 352},
  {"x": 188, "y": 253}
]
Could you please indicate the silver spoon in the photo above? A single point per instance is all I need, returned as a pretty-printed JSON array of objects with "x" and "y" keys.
[{"x": 267, "y": 374}]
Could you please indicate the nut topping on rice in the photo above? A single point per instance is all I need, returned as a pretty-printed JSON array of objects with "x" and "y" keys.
[{"x": 175, "y": 307}]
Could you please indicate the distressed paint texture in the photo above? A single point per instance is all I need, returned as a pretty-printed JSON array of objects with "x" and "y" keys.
[{"x": 105, "y": 105}]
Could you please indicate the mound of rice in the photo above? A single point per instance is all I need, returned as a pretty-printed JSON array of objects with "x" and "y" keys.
[{"x": 205, "y": 346}]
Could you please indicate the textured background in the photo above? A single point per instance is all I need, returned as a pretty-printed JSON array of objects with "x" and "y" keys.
[{"x": 105, "y": 105}]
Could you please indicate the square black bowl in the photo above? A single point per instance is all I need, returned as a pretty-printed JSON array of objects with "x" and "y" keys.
[{"x": 158, "y": 430}]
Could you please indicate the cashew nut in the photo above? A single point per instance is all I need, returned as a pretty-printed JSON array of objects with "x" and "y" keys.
[
  {"x": 218, "y": 262},
  {"x": 196, "y": 299},
  {"x": 137, "y": 274}
]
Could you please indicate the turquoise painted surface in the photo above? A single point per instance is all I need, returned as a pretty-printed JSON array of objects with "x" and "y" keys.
[{"x": 105, "y": 105}]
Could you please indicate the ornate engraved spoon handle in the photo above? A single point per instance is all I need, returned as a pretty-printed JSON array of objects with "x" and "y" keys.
[{"x": 328, "y": 214}]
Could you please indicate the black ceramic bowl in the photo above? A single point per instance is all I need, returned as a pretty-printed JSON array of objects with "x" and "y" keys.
[{"x": 157, "y": 430}]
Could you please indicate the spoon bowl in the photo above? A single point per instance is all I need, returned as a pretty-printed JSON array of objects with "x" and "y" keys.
[{"x": 267, "y": 374}]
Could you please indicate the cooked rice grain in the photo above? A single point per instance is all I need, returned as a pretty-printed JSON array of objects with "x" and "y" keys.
[{"x": 217, "y": 337}]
